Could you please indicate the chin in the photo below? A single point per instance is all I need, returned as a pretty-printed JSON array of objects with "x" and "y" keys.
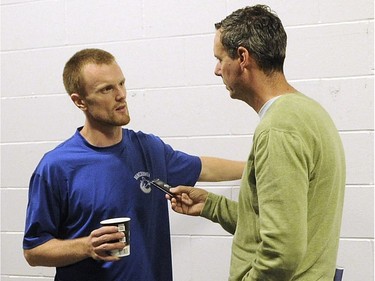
[
  {"x": 126, "y": 122},
  {"x": 121, "y": 122},
  {"x": 232, "y": 95}
]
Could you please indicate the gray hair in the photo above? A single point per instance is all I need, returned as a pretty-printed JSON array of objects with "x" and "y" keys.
[{"x": 260, "y": 31}]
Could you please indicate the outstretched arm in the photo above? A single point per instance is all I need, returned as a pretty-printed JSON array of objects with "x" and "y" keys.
[
  {"x": 188, "y": 200},
  {"x": 198, "y": 202},
  {"x": 58, "y": 253},
  {"x": 218, "y": 169}
]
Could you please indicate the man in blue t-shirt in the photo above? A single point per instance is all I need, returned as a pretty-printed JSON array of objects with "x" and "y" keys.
[{"x": 102, "y": 172}]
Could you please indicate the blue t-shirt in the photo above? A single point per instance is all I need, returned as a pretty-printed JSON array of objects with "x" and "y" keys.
[{"x": 77, "y": 185}]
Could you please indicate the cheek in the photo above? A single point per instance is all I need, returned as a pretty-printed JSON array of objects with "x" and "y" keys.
[
  {"x": 227, "y": 67},
  {"x": 224, "y": 71},
  {"x": 227, "y": 73},
  {"x": 98, "y": 103},
  {"x": 97, "y": 108}
]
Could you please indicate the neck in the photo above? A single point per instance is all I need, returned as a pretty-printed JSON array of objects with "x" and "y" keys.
[
  {"x": 265, "y": 88},
  {"x": 102, "y": 137}
]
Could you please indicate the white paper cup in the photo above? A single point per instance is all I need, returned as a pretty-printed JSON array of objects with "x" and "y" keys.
[{"x": 123, "y": 225}]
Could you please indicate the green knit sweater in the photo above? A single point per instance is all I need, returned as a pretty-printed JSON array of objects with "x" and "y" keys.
[{"x": 286, "y": 223}]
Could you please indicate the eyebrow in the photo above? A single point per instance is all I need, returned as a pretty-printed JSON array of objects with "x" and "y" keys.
[{"x": 217, "y": 57}]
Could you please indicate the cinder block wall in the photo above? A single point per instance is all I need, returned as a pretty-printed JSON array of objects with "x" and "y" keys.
[{"x": 165, "y": 50}]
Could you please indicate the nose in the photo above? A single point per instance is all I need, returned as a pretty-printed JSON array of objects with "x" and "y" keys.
[
  {"x": 218, "y": 69},
  {"x": 121, "y": 93}
]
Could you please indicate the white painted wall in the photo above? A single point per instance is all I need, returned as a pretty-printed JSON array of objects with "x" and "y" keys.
[{"x": 165, "y": 50}]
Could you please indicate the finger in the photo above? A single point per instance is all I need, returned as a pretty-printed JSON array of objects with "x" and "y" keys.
[
  {"x": 104, "y": 230},
  {"x": 103, "y": 251},
  {"x": 107, "y": 247},
  {"x": 176, "y": 208},
  {"x": 106, "y": 256},
  {"x": 109, "y": 258},
  {"x": 180, "y": 189},
  {"x": 167, "y": 197},
  {"x": 107, "y": 238},
  {"x": 185, "y": 199}
]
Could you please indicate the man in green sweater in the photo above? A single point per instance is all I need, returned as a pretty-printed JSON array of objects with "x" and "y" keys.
[{"x": 286, "y": 223}]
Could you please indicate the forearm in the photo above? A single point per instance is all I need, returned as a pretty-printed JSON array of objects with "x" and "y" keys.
[
  {"x": 221, "y": 210},
  {"x": 58, "y": 253},
  {"x": 218, "y": 169}
]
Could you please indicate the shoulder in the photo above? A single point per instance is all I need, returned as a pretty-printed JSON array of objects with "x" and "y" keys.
[
  {"x": 141, "y": 137},
  {"x": 292, "y": 113},
  {"x": 294, "y": 104},
  {"x": 58, "y": 156}
]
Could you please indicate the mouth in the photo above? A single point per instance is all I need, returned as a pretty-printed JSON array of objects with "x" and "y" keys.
[{"x": 121, "y": 108}]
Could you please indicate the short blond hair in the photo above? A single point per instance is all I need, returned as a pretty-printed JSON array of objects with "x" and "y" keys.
[{"x": 72, "y": 74}]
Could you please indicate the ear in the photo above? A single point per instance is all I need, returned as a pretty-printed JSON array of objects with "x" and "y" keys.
[
  {"x": 78, "y": 101},
  {"x": 243, "y": 57}
]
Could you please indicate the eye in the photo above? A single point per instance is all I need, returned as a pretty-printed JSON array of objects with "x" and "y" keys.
[
  {"x": 218, "y": 59},
  {"x": 106, "y": 89}
]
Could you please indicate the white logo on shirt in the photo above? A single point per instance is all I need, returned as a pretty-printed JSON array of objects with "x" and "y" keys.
[{"x": 144, "y": 178}]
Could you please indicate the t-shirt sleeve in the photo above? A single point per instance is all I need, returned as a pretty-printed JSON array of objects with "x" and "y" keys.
[
  {"x": 182, "y": 168},
  {"x": 178, "y": 168},
  {"x": 42, "y": 214}
]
